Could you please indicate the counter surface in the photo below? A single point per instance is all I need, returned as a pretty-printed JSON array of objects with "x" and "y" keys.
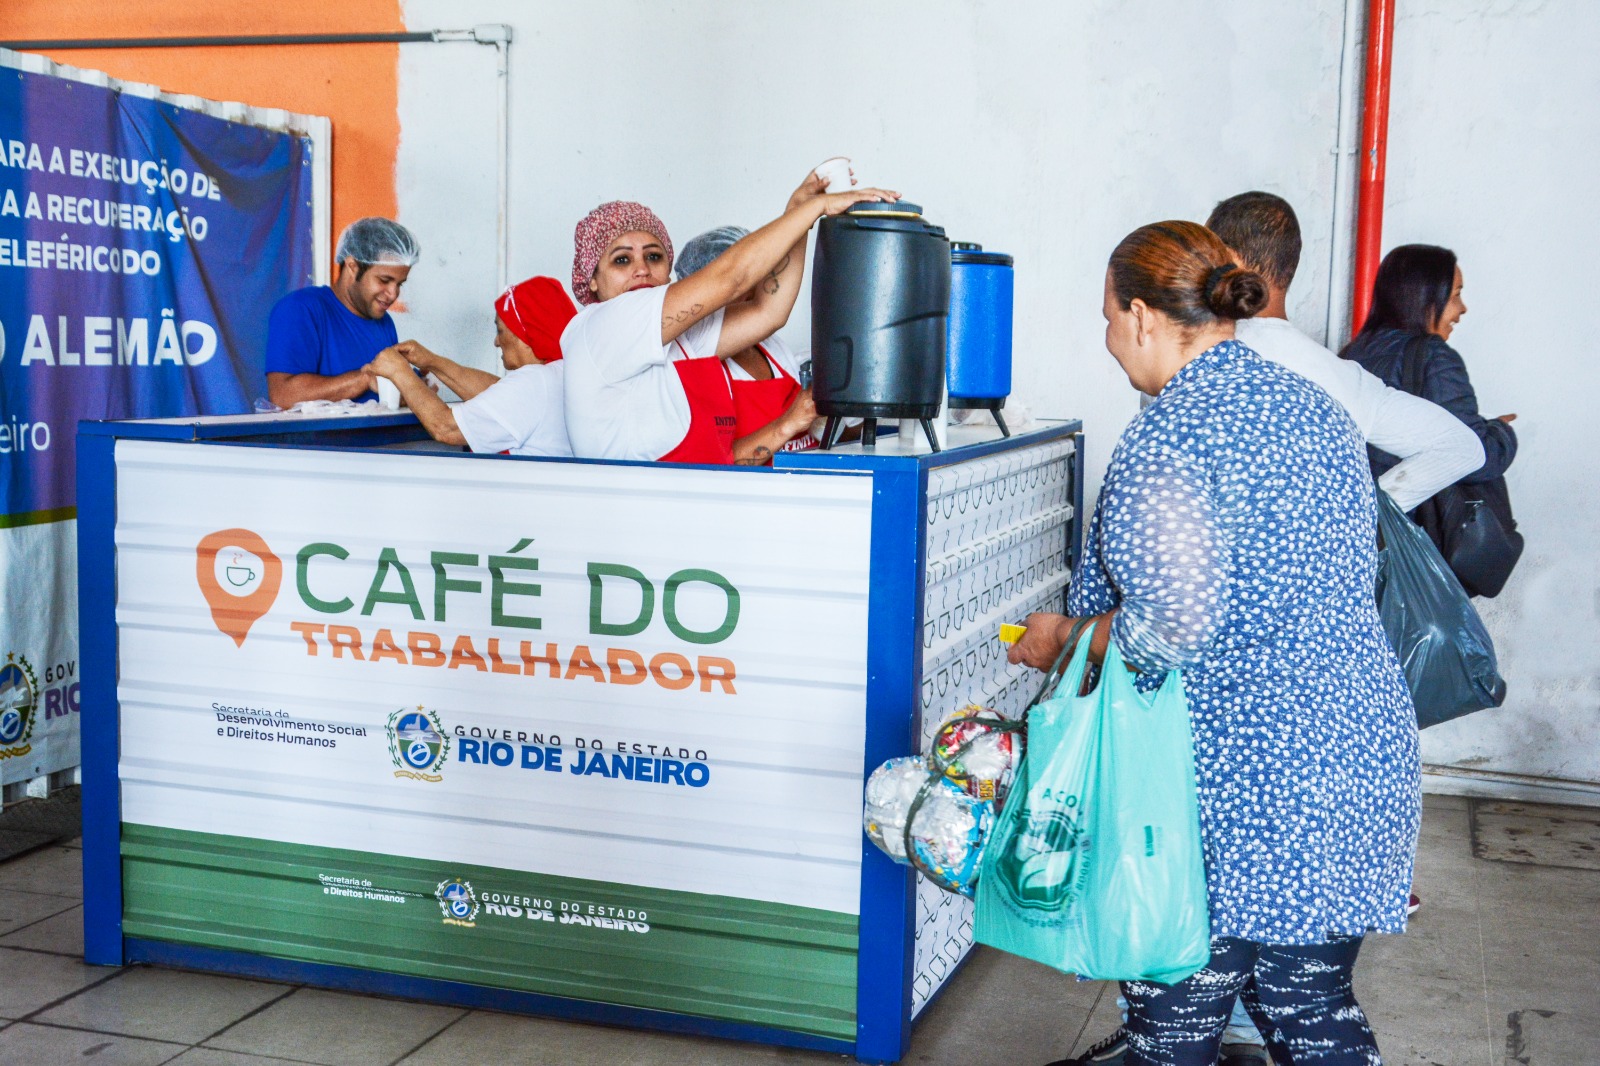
[{"x": 559, "y": 736}]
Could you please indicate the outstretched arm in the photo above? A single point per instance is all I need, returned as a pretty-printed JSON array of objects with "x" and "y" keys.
[
  {"x": 768, "y": 261},
  {"x": 1435, "y": 448},
  {"x": 434, "y": 414},
  {"x": 753, "y": 321},
  {"x": 286, "y": 390},
  {"x": 1047, "y": 634},
  {"x": 465, "y": 381},
  {"x": 758, "y": 448}
]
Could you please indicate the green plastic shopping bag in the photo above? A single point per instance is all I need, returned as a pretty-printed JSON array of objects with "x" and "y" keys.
[{"x": 1095, "y": 866}]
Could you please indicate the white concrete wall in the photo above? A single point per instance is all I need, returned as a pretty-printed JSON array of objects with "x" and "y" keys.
[
  {"x": 1042, "y": 129},
  {"x": 1049, "y": 130},
  {"x": 1495, "y": 119}
]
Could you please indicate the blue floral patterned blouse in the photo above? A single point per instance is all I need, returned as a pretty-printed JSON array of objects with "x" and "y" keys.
[{"x": 1236, "y": 533}]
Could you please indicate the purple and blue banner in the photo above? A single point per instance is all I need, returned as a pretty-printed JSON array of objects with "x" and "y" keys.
[{"x": 142, "y": 246}]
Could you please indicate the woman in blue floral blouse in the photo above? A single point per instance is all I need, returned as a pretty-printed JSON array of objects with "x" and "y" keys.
[{"x": 1234, "y": 540}]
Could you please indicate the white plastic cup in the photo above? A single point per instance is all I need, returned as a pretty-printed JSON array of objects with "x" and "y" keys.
[
  {"x": 836, "y": 172},
  {"x": 388, "y": 394}
]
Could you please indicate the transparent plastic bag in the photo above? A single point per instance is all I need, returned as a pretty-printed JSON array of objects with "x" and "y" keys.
[
  {"x": 918, "y": 818},
  {"x": 1444, "y": 649},
  {"x": 979, "y": 751},
  {"x": 934, "y": 811}
]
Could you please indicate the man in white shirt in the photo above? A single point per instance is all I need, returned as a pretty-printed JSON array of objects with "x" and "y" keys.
[{"x": 1435, "y": 448}]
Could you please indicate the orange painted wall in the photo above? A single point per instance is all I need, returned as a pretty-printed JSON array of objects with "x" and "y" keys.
[{"x": 354, "y": 85}]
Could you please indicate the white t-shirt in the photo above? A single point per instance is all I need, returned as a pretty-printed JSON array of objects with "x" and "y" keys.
[
  {"x": 624, "y": 400},
  {"x": 777, "y": 352},
  {"x": 1435, "y": 448},
  {"x": 523, "y": 413}
]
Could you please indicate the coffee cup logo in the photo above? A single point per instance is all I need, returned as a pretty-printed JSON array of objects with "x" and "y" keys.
[{"x": 239, "y": 577}]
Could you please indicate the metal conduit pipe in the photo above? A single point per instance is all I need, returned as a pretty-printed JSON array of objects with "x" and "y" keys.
[
  {"x": 225, "y": 41},
  {"x": 1502, "y": 784},
  {"x": 496, "y": 34},
  {"x": 1374, "y": 155},
  {"x": 1341, "y": 244}
]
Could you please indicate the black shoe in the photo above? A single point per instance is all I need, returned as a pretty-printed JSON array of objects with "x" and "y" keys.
[
  {"x": 1107, "y": 1052},
  {"x": 1244, "y": 1055}
]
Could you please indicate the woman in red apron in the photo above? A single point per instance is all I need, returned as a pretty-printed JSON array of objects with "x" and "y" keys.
[
  {"x": 777, "y": 409},
  {"x": 774, "y": 410},
  {"x": 645, "y": 379},
  {"x": 713, "y": 415}
]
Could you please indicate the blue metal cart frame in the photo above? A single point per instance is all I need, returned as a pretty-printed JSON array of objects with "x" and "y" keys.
[{"x": 899, "y": 556}]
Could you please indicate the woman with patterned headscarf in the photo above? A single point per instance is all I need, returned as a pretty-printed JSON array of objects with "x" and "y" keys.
[{"x": 645, "y": 378}]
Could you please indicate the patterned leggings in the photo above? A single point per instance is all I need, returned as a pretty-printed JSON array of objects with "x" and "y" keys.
[{"x": 1300, "y": 998}]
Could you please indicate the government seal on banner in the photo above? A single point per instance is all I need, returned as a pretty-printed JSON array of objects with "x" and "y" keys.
[
  {"x": 417, "y": 744},
  {"x": 458, "y": 902},
  {"x": 19, "y": 696}
]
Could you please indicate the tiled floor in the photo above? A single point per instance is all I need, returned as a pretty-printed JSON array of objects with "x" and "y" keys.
[{"x": 1501, "y": 968}]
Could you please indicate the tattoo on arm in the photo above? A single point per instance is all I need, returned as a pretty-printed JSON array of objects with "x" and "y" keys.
[
  {"x": 760, "y": 457},
  {"x": 673, "y": 320},
  {"x": 769, "y": 284}
]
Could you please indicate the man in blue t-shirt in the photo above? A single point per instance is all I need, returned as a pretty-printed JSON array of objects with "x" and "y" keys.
[{"x": 320, "y": 338}]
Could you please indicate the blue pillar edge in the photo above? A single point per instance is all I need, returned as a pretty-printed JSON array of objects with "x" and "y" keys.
[
  {"x": 887, "y": 936},
  {"x": 98, "y": 724}
]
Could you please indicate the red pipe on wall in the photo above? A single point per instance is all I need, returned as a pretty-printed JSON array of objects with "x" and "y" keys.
[{"x": 1374, "y": 155}]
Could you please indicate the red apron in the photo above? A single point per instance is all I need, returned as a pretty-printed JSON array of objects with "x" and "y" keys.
[
  {"x": 760, "y": 403},
  {"x": 711, "y": 414}
]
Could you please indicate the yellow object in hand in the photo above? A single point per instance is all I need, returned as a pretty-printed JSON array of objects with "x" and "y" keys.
[{"x": 1010, "y": 633}]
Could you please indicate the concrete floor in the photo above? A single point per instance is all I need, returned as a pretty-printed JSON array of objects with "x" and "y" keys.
[{"x": 1501, "y": 968}]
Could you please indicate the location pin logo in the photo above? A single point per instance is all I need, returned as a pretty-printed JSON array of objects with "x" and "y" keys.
[{"x": 239, "y": 576}]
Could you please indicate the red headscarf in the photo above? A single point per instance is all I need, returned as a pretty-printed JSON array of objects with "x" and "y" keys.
[
  {"x": 602, "y": 226},
  {"x": 537, "y": 310}
]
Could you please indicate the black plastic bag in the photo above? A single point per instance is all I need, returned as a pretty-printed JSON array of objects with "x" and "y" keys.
[{"x": 1445, "y": 651}]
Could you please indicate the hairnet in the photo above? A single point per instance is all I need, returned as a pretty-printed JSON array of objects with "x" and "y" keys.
[
  {"x": 701, "y": 250},
  {"x": 599, "y": 228},
  {"x": 536, "y": 311},
  {"x": 378, "y": 240}
]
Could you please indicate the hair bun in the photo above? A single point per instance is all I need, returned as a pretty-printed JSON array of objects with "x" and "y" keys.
[
  {"x": 1184, "y": 271},
  {"x": 1233, "y": 292}
]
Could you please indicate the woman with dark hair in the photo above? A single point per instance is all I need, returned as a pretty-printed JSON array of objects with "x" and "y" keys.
[
  {"x": 1234, "y": 541},
  {"x": 1416, "y": 303}
]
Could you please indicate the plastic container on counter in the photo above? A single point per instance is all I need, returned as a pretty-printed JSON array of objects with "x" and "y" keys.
[
  {"x": 982, "y": 298},
  {"x": 880, "y": 296}
]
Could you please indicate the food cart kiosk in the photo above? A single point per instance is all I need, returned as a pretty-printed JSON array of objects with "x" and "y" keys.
[{"x": 584, "y": 739}]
